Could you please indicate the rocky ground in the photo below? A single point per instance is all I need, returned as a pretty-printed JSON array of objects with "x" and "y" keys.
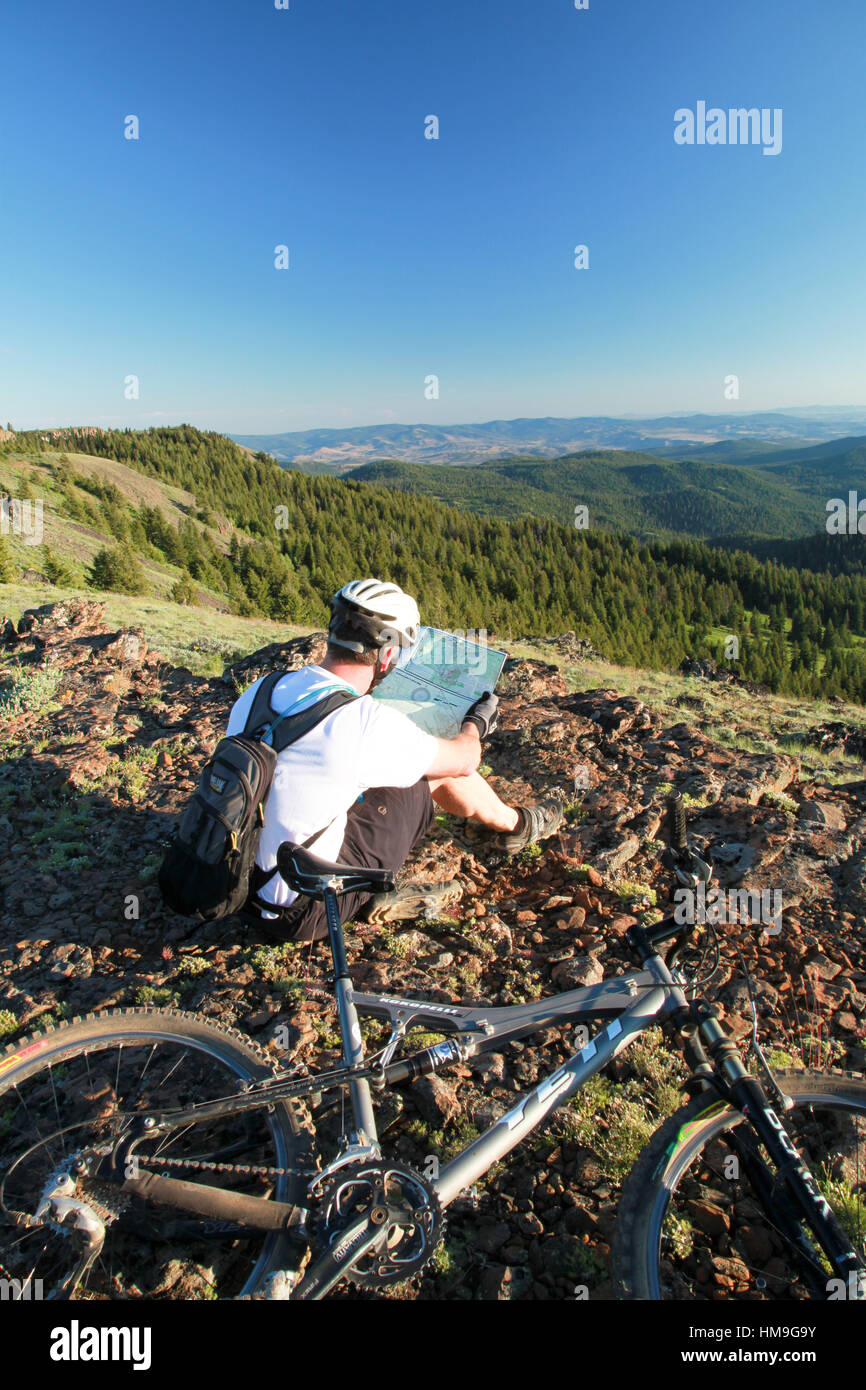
[{"x": 101, "y": 742}]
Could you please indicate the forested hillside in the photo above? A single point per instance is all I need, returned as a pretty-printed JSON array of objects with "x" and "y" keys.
[
  {"x": 635, "y": 492},
  {"x": 295, "y": 539}
]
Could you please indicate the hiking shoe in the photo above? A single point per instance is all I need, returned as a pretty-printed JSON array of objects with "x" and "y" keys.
[
  {"x": 413, "y": 900},
  {"x": 536, "y": 823}
]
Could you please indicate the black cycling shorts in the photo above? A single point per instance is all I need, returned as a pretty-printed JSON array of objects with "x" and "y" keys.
[{"x": 381, "y": 830}]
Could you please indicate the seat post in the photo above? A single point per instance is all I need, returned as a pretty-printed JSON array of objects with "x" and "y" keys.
[{"x": 353, "y": 1043}]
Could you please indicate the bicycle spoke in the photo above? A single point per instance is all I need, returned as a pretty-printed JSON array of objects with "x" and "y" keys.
[
  {"x": 72, "y": 1124},
  {"x": 39, "y": 1133}
]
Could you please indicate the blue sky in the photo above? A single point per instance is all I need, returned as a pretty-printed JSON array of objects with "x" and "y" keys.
[{"x": 411, "y": 257}]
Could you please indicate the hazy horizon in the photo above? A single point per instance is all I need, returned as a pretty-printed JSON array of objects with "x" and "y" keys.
[{"x": 804, "y": 412}]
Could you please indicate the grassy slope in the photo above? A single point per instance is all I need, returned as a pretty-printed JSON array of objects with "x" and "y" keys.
[
  {"x": 202, "y": 640},
  {"x": 76, "y": 543}
]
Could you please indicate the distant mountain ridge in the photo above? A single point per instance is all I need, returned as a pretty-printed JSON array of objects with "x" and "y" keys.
[{"x": 338, "y": 450}]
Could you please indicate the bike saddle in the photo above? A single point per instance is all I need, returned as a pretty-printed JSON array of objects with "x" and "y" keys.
[{"x": 305, "y": 873}]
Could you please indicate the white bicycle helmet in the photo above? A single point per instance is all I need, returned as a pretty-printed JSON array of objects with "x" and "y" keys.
[{"x": 378, "y": 612}]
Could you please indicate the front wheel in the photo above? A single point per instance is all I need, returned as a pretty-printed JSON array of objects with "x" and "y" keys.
[
  {"x": 689, "y": 1225},
  {"x": 70, "y": 1093}
]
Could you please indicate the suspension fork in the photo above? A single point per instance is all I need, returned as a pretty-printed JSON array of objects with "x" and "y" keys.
[
  {"x": 350, "y": 1028},
  {"x": 802, "y": 1190},
  {"x": 779, "y": 1208}
]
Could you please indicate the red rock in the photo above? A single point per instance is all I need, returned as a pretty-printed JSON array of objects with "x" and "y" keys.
[
  {"x": 574, "y": 974},
  {"x": 573, "y": 920},
  {"x": 622, "y": 923},
  {"x": 822, "y": 968},
  {"x": 709, "y": 1217},
  {"x": 756, "y": 1242}
]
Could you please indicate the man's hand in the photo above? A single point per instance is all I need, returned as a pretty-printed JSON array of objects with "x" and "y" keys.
[{"x": 483, "y": 714}]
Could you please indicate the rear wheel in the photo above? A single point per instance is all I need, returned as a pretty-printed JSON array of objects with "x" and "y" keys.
[
  {"x": 689, "y": 1225},
  {"x": 72, "y": 1092}
]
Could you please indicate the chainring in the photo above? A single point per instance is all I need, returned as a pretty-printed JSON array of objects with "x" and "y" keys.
[{"x": 412, "y": 1233}]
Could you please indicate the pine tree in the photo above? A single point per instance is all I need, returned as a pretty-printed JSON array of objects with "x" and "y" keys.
[
  {"x": 116, "y": 571},
  {"x": 56, "y": 571},
  {"x": 8, "y": 567},
  {"x": 184, "y": 591}
]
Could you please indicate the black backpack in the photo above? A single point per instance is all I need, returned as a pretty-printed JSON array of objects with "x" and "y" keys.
[{"x": 207, "y": 869}]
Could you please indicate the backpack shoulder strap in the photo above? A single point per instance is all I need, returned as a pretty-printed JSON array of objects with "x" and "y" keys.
[
  {"x": 261, "y": 712},
  {"x": 288, "y": 728},
  {"x": 285, "y": 730}
]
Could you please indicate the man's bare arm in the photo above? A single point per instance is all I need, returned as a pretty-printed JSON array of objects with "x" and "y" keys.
[{"x": 456, "y": 757}]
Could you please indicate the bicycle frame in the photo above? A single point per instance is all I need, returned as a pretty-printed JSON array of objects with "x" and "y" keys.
[{"x": 632, "y": 1002}]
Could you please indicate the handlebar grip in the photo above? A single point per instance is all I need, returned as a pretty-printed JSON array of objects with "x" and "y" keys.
[{"x": 677, "y": 822}]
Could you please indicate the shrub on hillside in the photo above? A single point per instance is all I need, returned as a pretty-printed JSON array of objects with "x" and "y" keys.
[
  {"x": 184, "y": 591},
  {"x": 56, "y": 571},
  {"x": 8, "y": 567},
  {"x": 64, "y": 473},
  {"x": 117, "y": 571}
]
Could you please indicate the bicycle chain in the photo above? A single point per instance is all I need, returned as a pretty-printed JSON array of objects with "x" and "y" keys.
[{"x": 245, "y": 1170}]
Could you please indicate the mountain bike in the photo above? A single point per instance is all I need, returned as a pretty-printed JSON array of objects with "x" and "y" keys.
[{"x": 154, "y": 1154}]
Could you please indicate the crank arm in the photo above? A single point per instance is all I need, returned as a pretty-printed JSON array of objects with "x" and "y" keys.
[{"x": 355, "y": 1242}]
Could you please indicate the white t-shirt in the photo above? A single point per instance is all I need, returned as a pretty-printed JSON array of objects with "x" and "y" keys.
[{"x": 362, "y": 744}]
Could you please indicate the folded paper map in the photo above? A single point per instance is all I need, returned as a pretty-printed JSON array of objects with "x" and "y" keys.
[{"x": 436, "y": 681}]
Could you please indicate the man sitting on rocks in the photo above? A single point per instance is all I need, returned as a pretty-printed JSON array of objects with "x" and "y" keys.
[{"x": 369, "y": 776}]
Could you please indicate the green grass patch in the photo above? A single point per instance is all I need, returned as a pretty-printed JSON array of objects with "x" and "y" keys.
[
  {"x": 30, "y": 691},
  {"x": 616, "y": 1119},
  {"x": 192, "y": 965},
  {"x": 8, "y": 1023},
  {"x": 67, "y": 833},
  {"x": 164, "y": 998}
]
